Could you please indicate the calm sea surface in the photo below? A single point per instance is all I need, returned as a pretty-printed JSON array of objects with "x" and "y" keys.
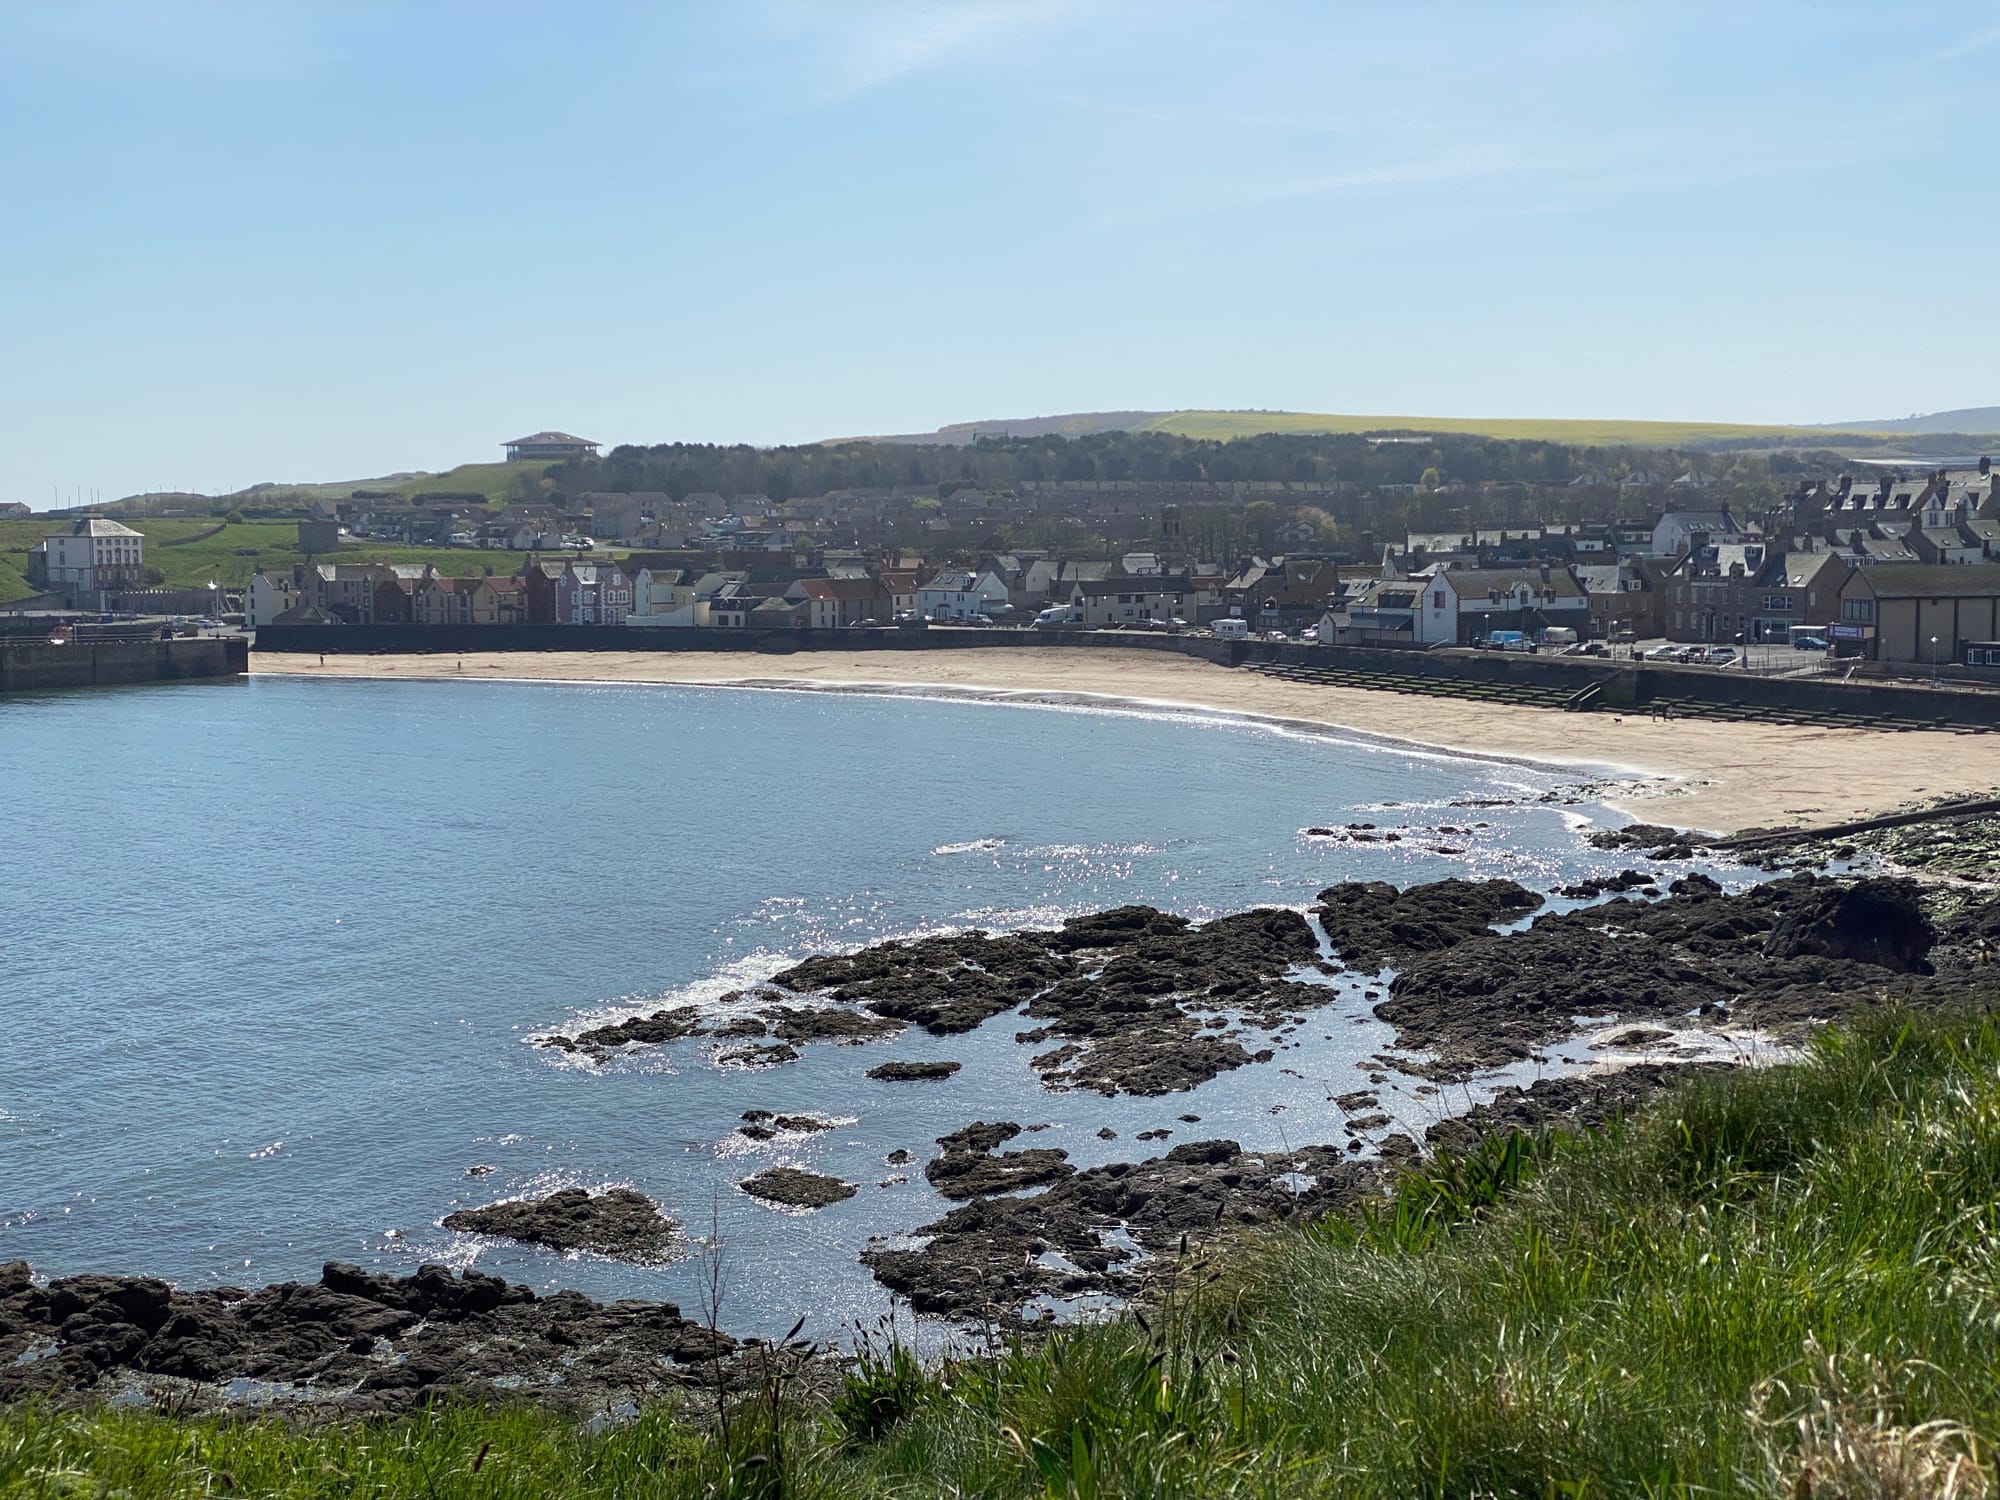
[{"x": 271, "y": 953}]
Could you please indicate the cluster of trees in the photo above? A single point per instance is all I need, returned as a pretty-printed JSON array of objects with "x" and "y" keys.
[{"x": 681, "y": 469}]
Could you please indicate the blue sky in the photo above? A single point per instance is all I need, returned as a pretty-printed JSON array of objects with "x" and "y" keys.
[{"x": 252, "y": 240}]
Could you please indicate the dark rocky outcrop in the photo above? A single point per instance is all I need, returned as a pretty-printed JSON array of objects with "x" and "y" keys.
[
  {"x": 1371, "y": 923},
  {"x": 1578, "y": 1101},
  {"x": 661, "y": 1026},
  {"x": 1654, "y": 840},
  {"x": 911, "y": 1072},
  {"x": 363, "y": 1341},
  {"x": 970, "y": 1169},
  {"x": 1780, "y": 953},
  {"x": 767, "y": 1055},
  {"x": 1875, "y": 921},
  {"x": 762, "y": 1125},
  {"x": 1606, "y": 885},
  {"x": 1129, "y": 996},
  {"x": 828, "y": 1024},
  {"x": 793, "y": 1187},
  {"x": 619, "y": 1222},
  {"x": 991, "y": 1256}
]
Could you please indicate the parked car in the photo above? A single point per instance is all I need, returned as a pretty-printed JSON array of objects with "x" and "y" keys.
[
  {"x": 1624, "y": 637},
  {"x": 1666, "y": 653},
  {"x": 1584, "y": 648},
  {"x": 1809, "y": 643},
  {"x": 1719, "y": 656},
  {"x": 1310, "y": 635},
  {"x": 1276, "y": 635}
]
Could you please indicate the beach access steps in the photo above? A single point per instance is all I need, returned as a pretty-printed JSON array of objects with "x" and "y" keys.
[{"x": 1386, "y": 678}]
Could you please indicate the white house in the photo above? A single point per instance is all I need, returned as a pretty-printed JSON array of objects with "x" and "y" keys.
[
  {"x": 971, "y": 598},
  {"x": 1461, "y": 604},
  {"x": 93, "y": 555},
  {"x": 1673, "y": 531},
  {"x": 667, "y": 597},
  {"x": 1131, "y": 601},
  {"x": 268, "y": 596}
]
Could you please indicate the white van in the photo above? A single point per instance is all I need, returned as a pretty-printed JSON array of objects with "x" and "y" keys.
[
  {"x": 1059, "y": 617},
  {"x": 1231, "y": 630}
]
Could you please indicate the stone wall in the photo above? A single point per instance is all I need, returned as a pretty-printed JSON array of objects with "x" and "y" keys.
[{"x": 37, "y": 666}]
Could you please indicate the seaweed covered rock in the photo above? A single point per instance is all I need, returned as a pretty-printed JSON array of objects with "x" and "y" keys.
[
  {"x": 794, "y": 1187},
  {"x": 1370, "y": 923},
  {"x": 353, "y": 1339},
  {"x": 970, "y": 1169},
  {"x": 619, "y": 1222},
  {"x": 1876, "y": 921}
]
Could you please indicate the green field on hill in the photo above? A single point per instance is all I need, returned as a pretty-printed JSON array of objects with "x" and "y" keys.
[
  {"x": 192, "y": 551},
  {"x": 1223, "y": 425},
  {"x": 494, "y": 481}
]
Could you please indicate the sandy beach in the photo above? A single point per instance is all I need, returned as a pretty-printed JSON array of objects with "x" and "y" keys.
[{"x": 1711, "y": 776}]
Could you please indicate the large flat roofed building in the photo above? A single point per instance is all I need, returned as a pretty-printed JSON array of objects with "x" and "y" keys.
[
  {"x": 542, "y": 445},
  {"x": 1919, "y": 614}
]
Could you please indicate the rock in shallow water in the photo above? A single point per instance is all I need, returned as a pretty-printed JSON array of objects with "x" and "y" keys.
[
  {"x": 620, "y": 1223},
  {"x": 1127, "y": 993},
  {"x": 1370, "y": 923},
  {"x": 793, "y": 1187},
  {"x": 913, "y": 1072}
]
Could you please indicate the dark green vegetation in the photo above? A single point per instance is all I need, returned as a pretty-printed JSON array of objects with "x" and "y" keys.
[
  {"x": 680, "y": 469},
  {"x": 1780, "y": 1282}
]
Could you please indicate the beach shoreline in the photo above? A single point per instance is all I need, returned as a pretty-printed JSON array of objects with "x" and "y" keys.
[{"x": 1716, "y": 777}]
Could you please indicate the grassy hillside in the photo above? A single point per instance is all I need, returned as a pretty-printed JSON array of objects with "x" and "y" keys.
[
  {"x": 1775, "y": 1283},
  {"x": 1966, "y": 419},
  {"x": 190, "y": 552},
  {"x": 1608, "y": 433},
  {"x": 494, "y": 481}
]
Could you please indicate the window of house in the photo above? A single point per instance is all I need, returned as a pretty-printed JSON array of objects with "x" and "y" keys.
[
  {"x": 1437, "y": 600},
  {"x": 1858, "y": 611}
]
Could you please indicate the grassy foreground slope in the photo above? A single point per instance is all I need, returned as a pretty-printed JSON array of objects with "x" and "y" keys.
[
  {"x": 1778, "y": 1283},
  {"x": 1223, "y": 425}
]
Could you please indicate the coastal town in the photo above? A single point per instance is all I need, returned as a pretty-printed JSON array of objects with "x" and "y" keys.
[{"x": 1880, "y": 567}]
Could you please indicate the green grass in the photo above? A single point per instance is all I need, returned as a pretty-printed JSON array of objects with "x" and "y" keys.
[
  {"x": 1779, "y": 1283},
  {"x": 494, "y": 481},
  {"x": 191, "y": 551},
  {"x": 1222, "y": 425}
]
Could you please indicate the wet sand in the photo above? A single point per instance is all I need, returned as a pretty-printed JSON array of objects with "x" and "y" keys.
[{"x": 1699, "y": 774}]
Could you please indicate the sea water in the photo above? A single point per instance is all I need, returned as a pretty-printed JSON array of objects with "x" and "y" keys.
[{"x": 273, "y": 954}]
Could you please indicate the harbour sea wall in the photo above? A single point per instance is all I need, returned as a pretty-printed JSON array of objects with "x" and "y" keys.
[
  {"x": 1623, "y": 684},
  {"x": 39, "y": 666}
]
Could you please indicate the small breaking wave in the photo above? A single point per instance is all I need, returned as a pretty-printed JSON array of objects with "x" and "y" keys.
[{"x": 971, "y": 846}]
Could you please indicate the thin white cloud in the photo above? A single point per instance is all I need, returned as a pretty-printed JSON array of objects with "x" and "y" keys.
[
  {"x": 1979, "y": 41},
  {"x": 863, "y": 47}
]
